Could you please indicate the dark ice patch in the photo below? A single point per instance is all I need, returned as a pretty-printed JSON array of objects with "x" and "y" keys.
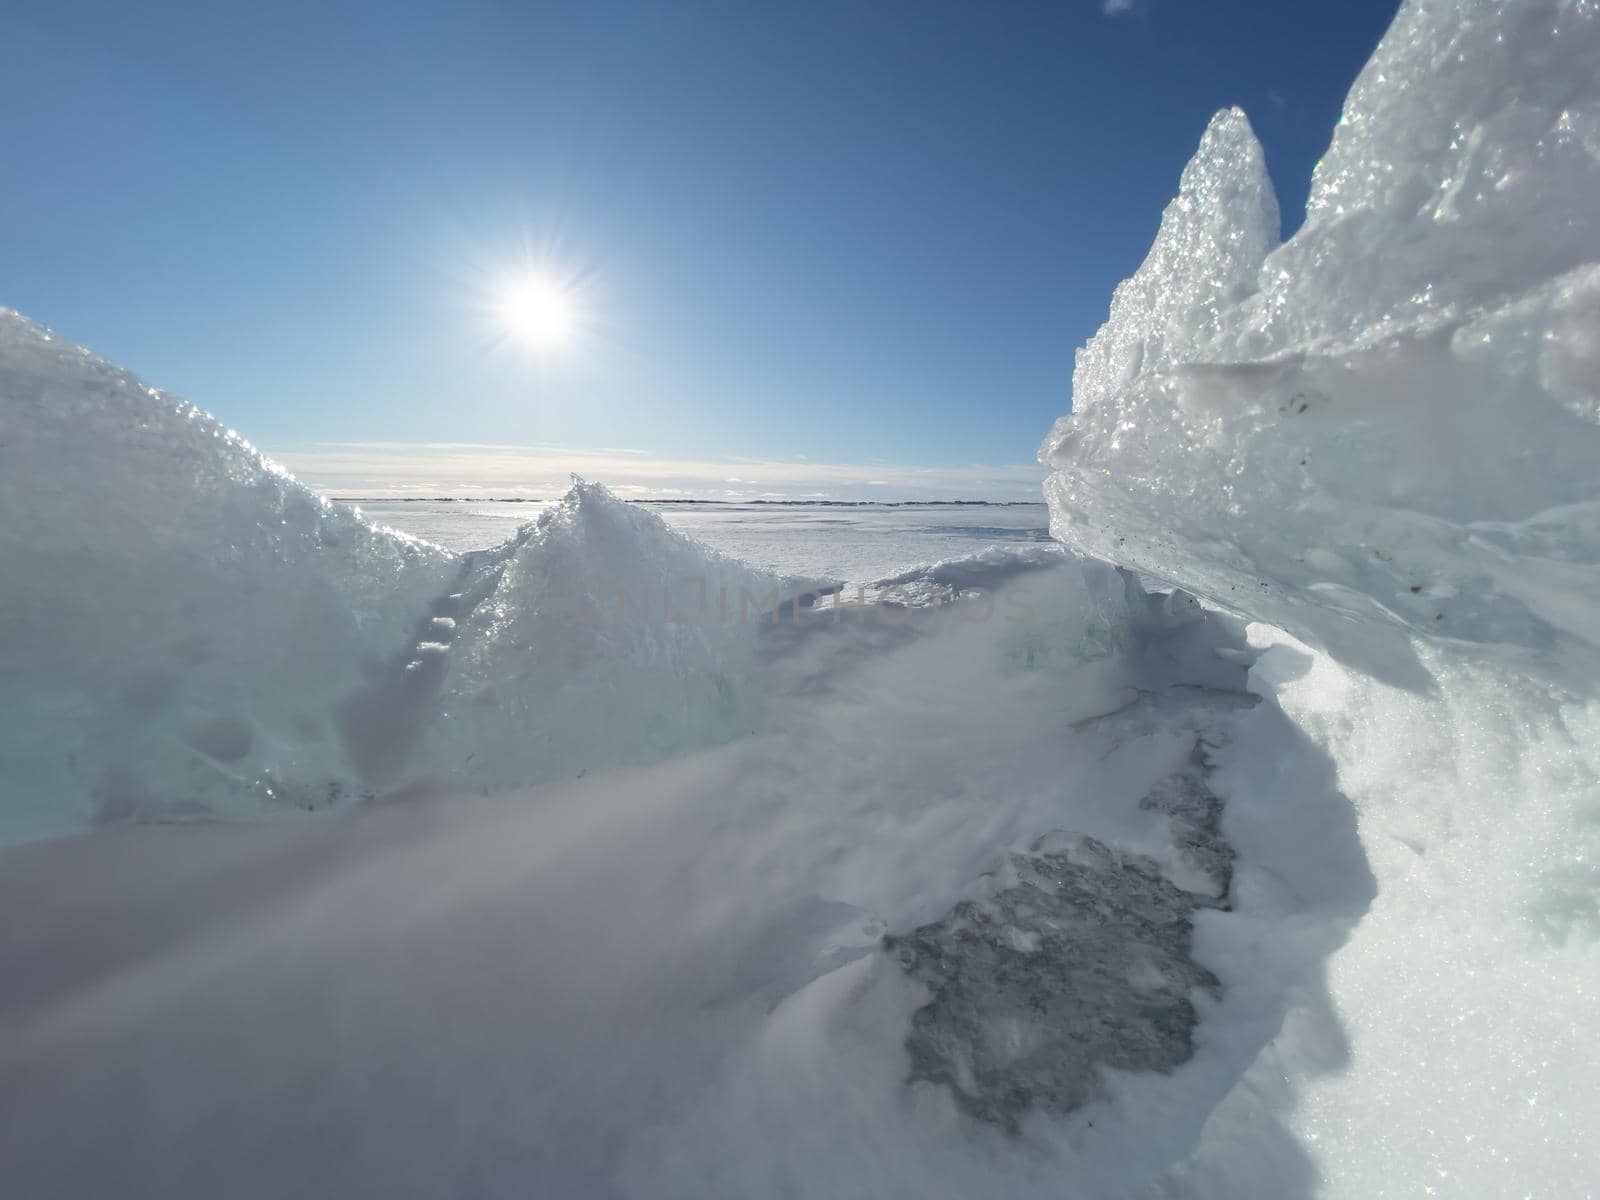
[
  {"x": 1075, "y": 957},
  {"x": 1194, "y": 815}
]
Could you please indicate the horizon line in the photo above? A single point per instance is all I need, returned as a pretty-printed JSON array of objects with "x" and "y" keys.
[{"x": 680, "y": 500}]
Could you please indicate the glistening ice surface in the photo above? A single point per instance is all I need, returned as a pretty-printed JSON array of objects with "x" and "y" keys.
[{"x": 1381, "y": 438}]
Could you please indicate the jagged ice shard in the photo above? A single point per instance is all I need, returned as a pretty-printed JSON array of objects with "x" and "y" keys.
[
  {"x": 1330, "y": 423},
  {"x": 1383, "y": 437},
  {"x": 191, "y": 634}
]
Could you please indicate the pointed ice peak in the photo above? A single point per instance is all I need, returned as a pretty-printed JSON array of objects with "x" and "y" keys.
[
  {"x": 1461, "y": 173},
  {"x": 1213, "y": 238},
  {"x": 1228, "y": 152}
]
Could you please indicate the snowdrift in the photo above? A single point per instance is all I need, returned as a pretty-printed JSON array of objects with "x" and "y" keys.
[{"x": 674, "y": 981}]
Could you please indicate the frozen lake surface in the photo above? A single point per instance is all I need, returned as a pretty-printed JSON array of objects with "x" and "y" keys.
[{"x": 853, "y": 543}]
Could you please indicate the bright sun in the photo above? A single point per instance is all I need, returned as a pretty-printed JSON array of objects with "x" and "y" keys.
[{"x": 536, "y": 313}]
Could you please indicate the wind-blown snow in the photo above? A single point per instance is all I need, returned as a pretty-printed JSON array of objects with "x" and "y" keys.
[
  {"x": 1001, "y": 876},
  {"x": 667, "y": 981}
]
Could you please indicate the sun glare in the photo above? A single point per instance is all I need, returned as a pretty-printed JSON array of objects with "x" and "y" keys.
[{"x": 536, "y": 313}]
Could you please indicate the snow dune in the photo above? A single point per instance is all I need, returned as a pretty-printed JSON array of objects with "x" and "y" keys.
[{"x": 1019, "y": 879}]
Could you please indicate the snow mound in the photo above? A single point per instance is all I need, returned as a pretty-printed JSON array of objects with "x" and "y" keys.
[
  {"x": 598, "y": 636},
  {"x": 954, "y": 580}
]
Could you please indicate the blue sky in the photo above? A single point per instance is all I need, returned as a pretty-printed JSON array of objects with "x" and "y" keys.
[{"x": 841, "y": 247}]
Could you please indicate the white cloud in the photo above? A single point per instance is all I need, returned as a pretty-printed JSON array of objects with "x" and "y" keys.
[
  {"x": 1116, "y": 8},
  {"x": 543, "y": 471}
]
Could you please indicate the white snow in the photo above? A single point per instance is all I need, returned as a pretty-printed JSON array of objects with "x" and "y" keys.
[
  {"x": 855, "y": 543},
  {"x": 596, "y": 636},
  {"x": 659, "y": 981},
  {"x": 997, "y": 876}
]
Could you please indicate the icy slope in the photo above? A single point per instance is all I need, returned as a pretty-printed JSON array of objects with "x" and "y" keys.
[
  {"x": 187, "y": 633},
  {"x": 177, "y": 616},
  {"x": 1382, "y": 438},
  {"x": 669, "y": 981}
]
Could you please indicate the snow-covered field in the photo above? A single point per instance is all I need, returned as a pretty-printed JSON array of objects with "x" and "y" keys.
[
  {"x": 853, "y": 543},
  {"x": 593, "y": 861}
]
